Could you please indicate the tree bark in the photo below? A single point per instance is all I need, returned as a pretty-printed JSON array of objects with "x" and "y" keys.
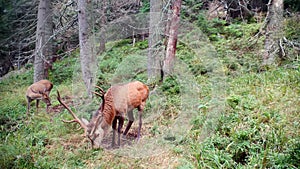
[
  {"x": 273, "y": 31},
  {"x": 87, "y": 58},
  {"x": 155, "y": 55},
  {"x": 168, "y": 67},
  {"x": 103, "y": 20},
  {"x": 44, "y": 45}
]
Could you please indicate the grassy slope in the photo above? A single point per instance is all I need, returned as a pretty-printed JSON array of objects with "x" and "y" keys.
[{"x": 259, "y": 126}]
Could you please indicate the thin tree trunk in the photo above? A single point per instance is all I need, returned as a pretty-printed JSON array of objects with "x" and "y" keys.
[
  {"x": 172, "y": 42},
  {"x": 102, "y": 38},
  {"x": 43, "y": 48},
  {"x": 155, "y": 55},
  {"x": 273, "y": 31},
  {"x": 87, "y": 58},
  {"x": 102, "y": 43}
]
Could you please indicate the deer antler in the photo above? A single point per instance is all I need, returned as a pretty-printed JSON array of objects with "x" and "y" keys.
[
  {"x": 101, "y": 94},
  {"x": 98, "y": 94},
  {"x": 99, "y": 118},
  {"x": 101, "y": 90},
  {"x": 76, "y": 119}
]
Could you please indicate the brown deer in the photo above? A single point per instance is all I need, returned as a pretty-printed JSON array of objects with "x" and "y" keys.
[
  {"x": 39, "y": 91},
  {"x": 118, "y": 101}
]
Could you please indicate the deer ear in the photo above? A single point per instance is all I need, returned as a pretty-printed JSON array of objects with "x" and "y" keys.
[{"x": 85, "y": 121}]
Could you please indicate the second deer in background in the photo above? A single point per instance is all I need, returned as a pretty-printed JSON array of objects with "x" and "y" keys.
[{"x": 39, "y": 91}]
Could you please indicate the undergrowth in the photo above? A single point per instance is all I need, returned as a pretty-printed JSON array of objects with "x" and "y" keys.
[{"x": 258, "y": 127}]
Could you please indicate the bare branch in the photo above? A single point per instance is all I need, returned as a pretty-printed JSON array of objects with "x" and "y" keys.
[{"x": 281, "y": 48}]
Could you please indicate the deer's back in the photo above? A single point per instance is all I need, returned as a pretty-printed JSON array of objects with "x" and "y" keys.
[
  {"x": 38, "y": 87},
  {"x": 48, "y": 85},
  {"x": 129, "y": 96}
]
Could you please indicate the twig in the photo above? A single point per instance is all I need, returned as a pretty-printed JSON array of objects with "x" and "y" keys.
[{"x": 281, "y": 48}]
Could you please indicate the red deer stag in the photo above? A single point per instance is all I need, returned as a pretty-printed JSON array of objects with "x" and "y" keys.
[
  {"x": 116, "y": 102},
  {"x": 39, "y": 91}
]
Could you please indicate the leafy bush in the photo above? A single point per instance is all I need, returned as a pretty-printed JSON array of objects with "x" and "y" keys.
[{"x": 212, "y": 28}]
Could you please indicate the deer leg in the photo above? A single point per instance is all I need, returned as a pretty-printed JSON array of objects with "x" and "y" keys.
[
  {"x": 131, "y": 119},
  {"x": 127, "y": 128},
  {"x": 28, "y": 105},
  {"x": 140, "y": 124},
  {"x": 121, "y": 122},
  {"x": 114, "y": 126},
  {"x": 47, "y": 109},
  {"x": 37, "y": 104}
]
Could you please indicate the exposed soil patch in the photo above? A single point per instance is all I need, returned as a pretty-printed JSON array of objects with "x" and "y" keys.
[
  {"x": 58, "y": 108},
  {"x": 125, "y": 140}
]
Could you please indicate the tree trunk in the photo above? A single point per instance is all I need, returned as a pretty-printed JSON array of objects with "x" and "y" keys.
[
  {"x": 102, "y": 41},
  {"x": 44, "y": 46},
  {"x": 172, "y": 42},
  {"x": 87, "y": 58},
  {"x": 103, "y": 20},
  {"x": 273, "y": 31},
  {"x": 155, "y": 55}
]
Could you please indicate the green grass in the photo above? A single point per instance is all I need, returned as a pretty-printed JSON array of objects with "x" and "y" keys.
[{"x": 258, "y": 127}]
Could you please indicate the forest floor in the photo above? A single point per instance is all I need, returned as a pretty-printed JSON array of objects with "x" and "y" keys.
[{"x": 250, "y": 121}]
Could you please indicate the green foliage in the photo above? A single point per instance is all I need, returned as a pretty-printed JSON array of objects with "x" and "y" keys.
[
  {"x": 5, "y": 18},
  {"x": 119, "y": 57},
  {"x": 170, "y": 86},
  {"x": 235, "y": 46},
  {"x": 195, "y": 64},
  {"x": 184, "y": 164},
  {"x": 253, "y": 130},
  {"x": 63, "y": 71},
  {"x": 192, "y": 11},
  {"x": 292, "y": 5},
  {"x": 292, "y": 28},
  {"x": 219, "y": 30},
  {"x": 293, "y": 156},
  {"x": 236, "y": 50},
  {"x": 206, "y": 26},
  {"x": 233, "y": 31},
  {"x": 258, "y": 126},
  {"x": 146, "y": 6}
]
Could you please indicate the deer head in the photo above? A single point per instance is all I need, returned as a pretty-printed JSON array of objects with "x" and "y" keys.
[
  {"x": 92, "y": 129},
  {"x": 45, "y": 98}
]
